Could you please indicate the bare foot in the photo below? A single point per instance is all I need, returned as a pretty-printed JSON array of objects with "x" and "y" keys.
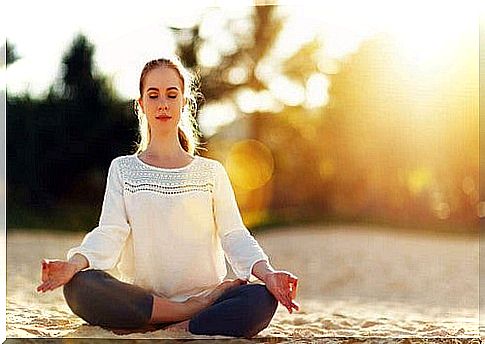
[{"x": 181, "y": 326}]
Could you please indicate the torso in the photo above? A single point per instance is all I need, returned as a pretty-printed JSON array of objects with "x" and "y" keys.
[{"x": 170, "y": 212}]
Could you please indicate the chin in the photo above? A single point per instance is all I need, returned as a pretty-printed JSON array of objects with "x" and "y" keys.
[{"x": 164, "y": 129}]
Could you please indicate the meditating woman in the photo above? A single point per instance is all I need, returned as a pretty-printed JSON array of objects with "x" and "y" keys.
[{"x": 169, "y": 219}]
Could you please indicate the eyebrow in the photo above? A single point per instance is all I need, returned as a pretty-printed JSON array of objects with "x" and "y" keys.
[{"x": 168, "y": 89}]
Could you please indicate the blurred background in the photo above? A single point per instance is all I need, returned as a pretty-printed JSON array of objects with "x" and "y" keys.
[
  {"x": 320, "y": 115},
  {"x": 350, "y": 132}
]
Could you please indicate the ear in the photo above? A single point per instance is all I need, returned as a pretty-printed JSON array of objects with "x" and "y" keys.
[{"x": 140, "y": 104}]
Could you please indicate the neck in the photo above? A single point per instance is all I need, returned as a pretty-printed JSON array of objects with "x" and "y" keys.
[{"x": 165, "y": 147}]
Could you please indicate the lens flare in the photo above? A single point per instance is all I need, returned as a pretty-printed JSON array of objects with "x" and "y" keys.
[{"x": 250, "y": 164}]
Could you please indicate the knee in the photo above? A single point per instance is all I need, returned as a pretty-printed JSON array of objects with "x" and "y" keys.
[
  {"x": 266, "y": 301},
  {"x": 80, "y": 282},
  {"x": 266, "y": 308},
  {"x": 102, "y": 300},
  {"x": 79, "y": 288}
]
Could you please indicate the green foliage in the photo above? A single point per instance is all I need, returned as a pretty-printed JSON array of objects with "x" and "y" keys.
[
  {"x": 57, "y": 145},
  {"x": 10, "y": 53}
]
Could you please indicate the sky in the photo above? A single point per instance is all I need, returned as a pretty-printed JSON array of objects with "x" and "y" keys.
[
  {"x": 126, "y": 35},
  {"x": 123, "y": 34}
]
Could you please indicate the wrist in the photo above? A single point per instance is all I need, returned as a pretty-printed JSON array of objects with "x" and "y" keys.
[
  {"x": 262, "y": 270},
  {"x": 265, "y": 276},
  {"x": 195, "y": 304},
  {"x": 73, "y": 267},
  {"x": 79, "y": 262},
  {"x": 197, "y": 300}
]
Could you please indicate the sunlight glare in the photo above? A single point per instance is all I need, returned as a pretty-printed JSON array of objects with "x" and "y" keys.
[
  {"x": 429, "y": 37},
  {"x": 215, "y": 115},
  {"x": 250, "y": 101},
  {"x": 418, "y": 179},
  {"x": 287, "y": 91},
  {"x": 250, "y": 164},
  {"x": 237, "y": 75},
  {"x": 208, "y": 55},
  {"x": 317, "y": 90}
]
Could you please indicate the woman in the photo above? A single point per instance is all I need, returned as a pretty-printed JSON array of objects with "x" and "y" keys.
[{"x": 169, "y": 218}]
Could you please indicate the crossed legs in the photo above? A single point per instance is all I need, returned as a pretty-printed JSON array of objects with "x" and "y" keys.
[{"x": 102, "y": 300}]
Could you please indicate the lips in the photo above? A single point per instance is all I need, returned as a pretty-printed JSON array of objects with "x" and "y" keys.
[{"x": 163, "y": 117}]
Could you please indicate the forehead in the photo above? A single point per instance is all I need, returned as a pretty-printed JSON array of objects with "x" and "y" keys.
[{"x": 161, "y": 78}]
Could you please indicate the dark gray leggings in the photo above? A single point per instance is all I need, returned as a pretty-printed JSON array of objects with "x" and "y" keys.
[{"x": 102, "y": 300}]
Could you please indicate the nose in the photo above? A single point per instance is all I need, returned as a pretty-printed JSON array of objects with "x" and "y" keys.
[{"x": 163, "y": 105}]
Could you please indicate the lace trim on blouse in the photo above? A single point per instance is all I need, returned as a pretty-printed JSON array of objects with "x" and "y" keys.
[{"x": 199, "y": 176}]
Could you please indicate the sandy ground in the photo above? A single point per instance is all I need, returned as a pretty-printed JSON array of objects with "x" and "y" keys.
[{"x": 354, "y": 282}]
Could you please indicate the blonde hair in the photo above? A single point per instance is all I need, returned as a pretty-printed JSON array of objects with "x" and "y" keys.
[{"x": 188, "y": 133}]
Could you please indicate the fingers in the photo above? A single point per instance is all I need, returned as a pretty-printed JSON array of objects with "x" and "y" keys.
[
  {"x": 284, "y": 299},
  {"x": 48, "y": 285},
  {"x": 45, "y": 270},
  {"x": 287, "y": 302},
  {"x": 44, "y": 287},
  {"x": 293, "y": 286},
  {"x": 290, "y": 305},
  {"x": 283, "y": 285},
  {"x": 290, "y": 293}
]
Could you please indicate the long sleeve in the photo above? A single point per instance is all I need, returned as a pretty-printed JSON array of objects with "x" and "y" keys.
[
  {"x": 241, "y": 249},
  {"x": 103, "y": 245}
]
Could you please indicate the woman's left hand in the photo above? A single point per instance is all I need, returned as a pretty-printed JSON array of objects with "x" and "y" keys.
[{"x": 282, "y": 285}]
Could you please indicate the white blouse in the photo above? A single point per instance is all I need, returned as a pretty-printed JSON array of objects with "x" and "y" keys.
[{"x": 168, "y": 229}]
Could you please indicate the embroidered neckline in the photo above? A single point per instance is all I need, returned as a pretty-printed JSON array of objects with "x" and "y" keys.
[
  {"x": 168, "y": 190},
  {"x": 137, "y": 176}
]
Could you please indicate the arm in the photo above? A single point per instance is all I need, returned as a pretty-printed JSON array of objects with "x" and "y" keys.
[
  {"x": 79, "y": 262},
  {"x": 241, "y": 249},
  {"x": 101, "y": 248},
  {"x": 165, "y": 310},
  {"x": 103, "y": 245},
  {"x": 262, "y": 270}
]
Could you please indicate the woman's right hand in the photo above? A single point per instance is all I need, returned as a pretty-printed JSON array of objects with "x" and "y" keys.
[
  {"x": 223, "y": 287},
  {"x": 55, "y": 273},
  {"x": 207, "y": 300}
]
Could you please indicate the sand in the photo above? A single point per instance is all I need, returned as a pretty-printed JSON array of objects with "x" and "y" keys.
[{"x": 355, "y": 282}]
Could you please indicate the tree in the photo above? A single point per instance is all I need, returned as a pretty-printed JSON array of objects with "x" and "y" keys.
[
  {"x": 60, "y": 146},
  {"x": 252, "y": 46},
  {"x": 10, "y": 53}
]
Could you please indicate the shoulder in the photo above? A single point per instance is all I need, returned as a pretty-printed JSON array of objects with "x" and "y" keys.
[
  {"x": 208, "y": 161},
  {"x": 122, "y": 164},
  {"x": 118, "y": 161},
  {"x": 211, "y": 164}
]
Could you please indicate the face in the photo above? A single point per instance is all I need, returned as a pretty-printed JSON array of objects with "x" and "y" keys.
[{"x": 162, "y": 99}]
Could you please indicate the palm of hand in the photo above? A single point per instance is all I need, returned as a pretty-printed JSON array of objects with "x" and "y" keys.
[
  {"x": 55, "y": 273},
  {"x": 283, "y": 286}
]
